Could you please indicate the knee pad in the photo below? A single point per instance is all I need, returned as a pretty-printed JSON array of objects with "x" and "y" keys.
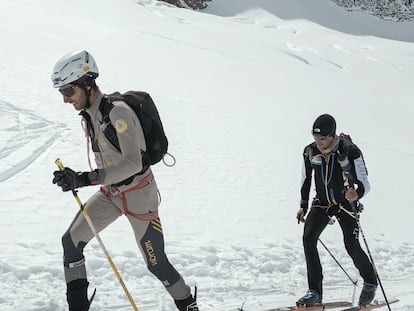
[{"x": 72, "y": 255}]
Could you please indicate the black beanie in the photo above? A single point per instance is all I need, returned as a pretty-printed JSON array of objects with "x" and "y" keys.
[{"x": 324, "y": 125}]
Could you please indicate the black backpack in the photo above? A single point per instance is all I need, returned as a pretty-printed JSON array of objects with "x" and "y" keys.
[{"x": 147, "y": 113}]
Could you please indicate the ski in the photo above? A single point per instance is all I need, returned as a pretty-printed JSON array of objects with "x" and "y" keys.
[
  {"x": 319, "y": 307},
  {"x": 374, "y": 305}
]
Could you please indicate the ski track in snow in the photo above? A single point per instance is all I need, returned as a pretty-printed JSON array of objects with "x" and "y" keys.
[
  {"x": 313, "y": 53},
  {"x": 237, "y": 275},
  {"x": 25, "y": 136}
]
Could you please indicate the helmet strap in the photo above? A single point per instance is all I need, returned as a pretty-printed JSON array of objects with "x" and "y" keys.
[
  {"x": 87, "y": 95},
  {"x": 84, "y": 84}
]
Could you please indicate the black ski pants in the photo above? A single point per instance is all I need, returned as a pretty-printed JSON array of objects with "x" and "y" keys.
[{"x": 316, "y": 222}]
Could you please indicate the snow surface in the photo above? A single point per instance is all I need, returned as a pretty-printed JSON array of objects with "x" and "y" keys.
[{"x": 238, "y": 87}]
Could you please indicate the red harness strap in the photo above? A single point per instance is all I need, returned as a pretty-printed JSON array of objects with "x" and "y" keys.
[{"x": 142, "y": 184}]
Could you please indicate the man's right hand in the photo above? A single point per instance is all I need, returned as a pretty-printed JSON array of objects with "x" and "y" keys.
[
  {"x": 300, "y": 215},
  {"x": 68, "y": 179}
]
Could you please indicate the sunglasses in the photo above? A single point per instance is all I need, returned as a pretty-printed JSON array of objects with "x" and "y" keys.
[
  {"x": 68, "y": 92},
  {"x": 321, "y": 137}
]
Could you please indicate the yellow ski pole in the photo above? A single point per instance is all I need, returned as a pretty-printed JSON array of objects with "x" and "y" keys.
[{"x": 95, "y": 233}]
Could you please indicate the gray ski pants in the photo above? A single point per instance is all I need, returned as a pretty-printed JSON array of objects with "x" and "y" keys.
[{"x": 103, "y": 210}]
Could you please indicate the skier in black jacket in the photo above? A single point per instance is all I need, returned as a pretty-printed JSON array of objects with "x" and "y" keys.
[{"x": 332, "y": 199}]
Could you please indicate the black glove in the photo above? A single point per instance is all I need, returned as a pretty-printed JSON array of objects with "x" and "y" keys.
[{"x": 68, "y": 179}]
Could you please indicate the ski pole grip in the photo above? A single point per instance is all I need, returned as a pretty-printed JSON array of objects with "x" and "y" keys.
[{"x": 59, "y": 164}]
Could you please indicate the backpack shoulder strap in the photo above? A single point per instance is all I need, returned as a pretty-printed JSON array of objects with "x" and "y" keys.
[
  {"x": 105, "y": 108},
  {"x": 88, "y": 121}
]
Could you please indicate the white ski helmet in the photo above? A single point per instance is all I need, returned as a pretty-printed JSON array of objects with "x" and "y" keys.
[{"x": 74, "y": 66}]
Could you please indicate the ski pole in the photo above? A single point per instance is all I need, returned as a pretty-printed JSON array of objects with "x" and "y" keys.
[
  {"x": 59, "y": 163},
  {"x": 370, "y": 257},
  {"x": 348, "y": 177},
  {"x": 342, "y": 268},
  {"x": 338, "y": 263}
]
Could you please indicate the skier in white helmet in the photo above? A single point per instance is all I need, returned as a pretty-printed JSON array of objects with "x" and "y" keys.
[{"x": 128, "y": 186}]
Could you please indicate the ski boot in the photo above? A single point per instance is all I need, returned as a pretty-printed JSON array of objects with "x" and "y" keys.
[
  {"x": 310, "y": 298},
  {"x": 77, "y": 295},
  {"x": 367, "y": 294},
  {"x": 188, "y": 304}
]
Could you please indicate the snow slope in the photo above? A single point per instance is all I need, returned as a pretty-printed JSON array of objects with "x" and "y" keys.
[{"x": 238, "y": 87}]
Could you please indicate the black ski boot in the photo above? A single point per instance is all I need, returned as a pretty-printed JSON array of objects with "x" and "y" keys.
[
  {"x": 77, "y": 295},
  {"x": 188, "y": 304},
  {"x": 367, "y": 294},
  {"x": 310, "y": 298}
]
